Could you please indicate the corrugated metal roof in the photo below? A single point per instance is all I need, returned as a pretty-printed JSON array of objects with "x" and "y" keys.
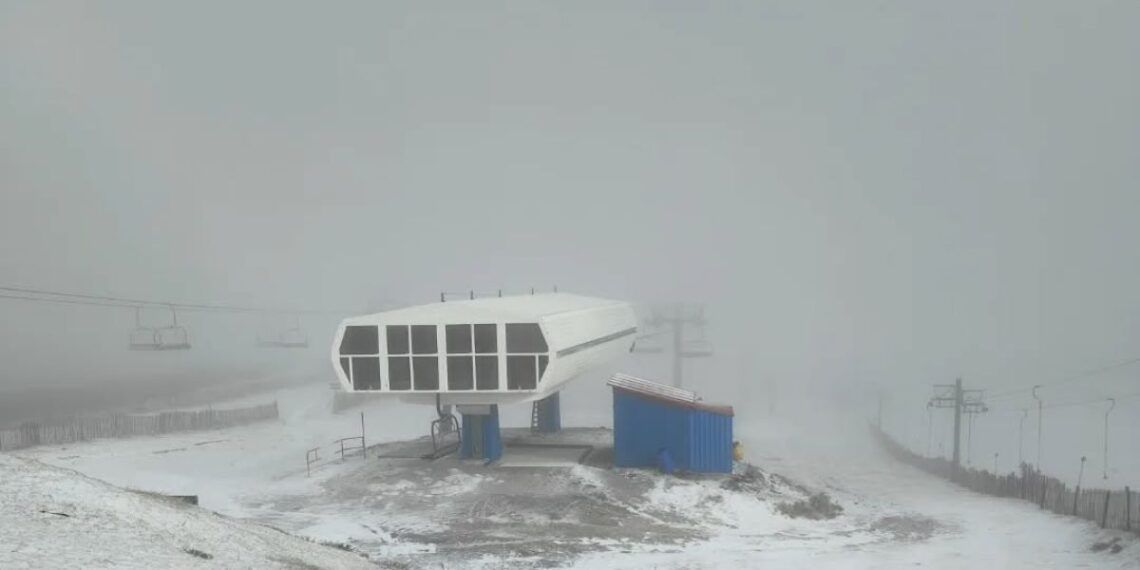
[
  {"x": 643, "y": 386},
  {"x": 665, "y": 393}
]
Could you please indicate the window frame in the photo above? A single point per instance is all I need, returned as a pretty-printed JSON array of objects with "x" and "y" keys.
[
  {"x": 489, "y": 371},
  {"x": 474, "y": 352},
  {"x": 353, "y": 356},
  {"x": 541, "y": 360}
]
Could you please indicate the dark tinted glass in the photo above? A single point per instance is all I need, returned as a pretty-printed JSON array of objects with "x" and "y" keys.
[
  {"x": 525, "y": 337},
  {"x": 397, "y": 339},
  {"x": 366, "y": 372},
  {"x": 542, "y": 362},
  {"x": 423, "y": 339},
  {"x": 487, "y": 372},
  {"x": 486, "y": 339},
  {"x": 360, "y": 340},
  {"x": 521, "y": 373},
  {"x": 426, "y": 369},
  {"x": 344, "y": 366},
  {"x": 458, "y": 339},
  {"x": 399, "y": 373},
  {"x": 460, "y": 374}
]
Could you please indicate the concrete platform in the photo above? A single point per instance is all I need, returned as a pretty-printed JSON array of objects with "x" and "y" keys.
[
  {"x": 523, "y": 448},
  {"x": 543, "y": 456}
]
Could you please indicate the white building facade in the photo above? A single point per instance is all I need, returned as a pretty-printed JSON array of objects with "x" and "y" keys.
[{"x": 499, "y": 350}]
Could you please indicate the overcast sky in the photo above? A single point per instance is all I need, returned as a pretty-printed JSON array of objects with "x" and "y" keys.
[{"x": 894, "y": 192}]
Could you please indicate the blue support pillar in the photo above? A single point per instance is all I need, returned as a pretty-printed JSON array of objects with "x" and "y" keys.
[
  {"x": 481, "y": 436},
  {"x": 548, "y": 415}
]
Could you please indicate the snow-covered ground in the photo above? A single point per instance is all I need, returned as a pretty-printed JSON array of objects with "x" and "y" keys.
[
  {"x": 922, "y": 521},
  {"x": 223, "y": 466},
  {"x": 894, "y": 516},
  {"x": 57, "y": 518}
]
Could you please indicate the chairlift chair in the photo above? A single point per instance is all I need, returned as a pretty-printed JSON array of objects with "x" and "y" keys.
[
  {"x": 292, "y": 337},
  {"x": 170, "y": 337},
  {"x": 143, "y": 338},
  {"x": 175, "y": 336},
  {"x": 446, "y": 434}
]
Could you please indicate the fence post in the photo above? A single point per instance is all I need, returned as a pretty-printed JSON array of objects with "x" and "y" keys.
[
  {"x": 1127, "y": 508},
  {"x": 1104, "y": 514},
  {"x": 1044, "y": 484}
]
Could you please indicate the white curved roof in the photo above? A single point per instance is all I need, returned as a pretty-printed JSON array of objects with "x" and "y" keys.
[
  {"x": 522, "y": 308},
  {"x": 576, "y": 333}
]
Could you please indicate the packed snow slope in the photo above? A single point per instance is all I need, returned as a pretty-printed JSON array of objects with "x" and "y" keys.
[
  {"x": 57, "y": 518},
  {"x": 893, "y": 516}
]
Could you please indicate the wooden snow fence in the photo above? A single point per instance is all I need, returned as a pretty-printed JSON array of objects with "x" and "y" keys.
[
  {"x": 1115, "y": 509},
  {"x": 30, "y": 434}
]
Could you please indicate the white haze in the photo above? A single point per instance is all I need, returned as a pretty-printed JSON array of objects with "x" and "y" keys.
[{"x": 877, "y": 194}]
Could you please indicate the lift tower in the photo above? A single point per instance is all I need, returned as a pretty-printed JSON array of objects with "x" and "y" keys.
[
  {"x": 963, "y": 402},
  {"x": 673, "y": 320}
]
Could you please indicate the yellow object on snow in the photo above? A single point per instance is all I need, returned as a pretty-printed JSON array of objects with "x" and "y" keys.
[{"x": 737, "y": 451}]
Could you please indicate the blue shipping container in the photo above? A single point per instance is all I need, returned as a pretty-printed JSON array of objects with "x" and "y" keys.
[{"x": 698, "y": 437}]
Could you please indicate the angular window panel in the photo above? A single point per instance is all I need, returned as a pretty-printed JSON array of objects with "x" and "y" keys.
[
  {"x": 543, "y": 360},
  {"x": 399, "y": 373},
  {"x": 521, "y": 373},
  {"x": 397, "y": 339},
  {"x": 426, "y": 371},
  {"x": 486, "y": 339},
  {"x": 460, "y": 373},
  {"x": 525, "y": 337},
  {"x": 458, "y": 339},
  {"x": 423, "y": 339},
  {"x": 487, "y": 372},
  {"x": 366, "y": 372},
  {"x": 360, "y": 340}
]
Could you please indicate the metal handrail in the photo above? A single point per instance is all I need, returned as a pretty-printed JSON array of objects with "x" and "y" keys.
[
  {"x": 311, "y": 456},
  {"x": 341, "y": 441}
]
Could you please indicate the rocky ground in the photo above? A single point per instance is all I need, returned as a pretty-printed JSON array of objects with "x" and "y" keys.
[{"x": 405, "y": 511}]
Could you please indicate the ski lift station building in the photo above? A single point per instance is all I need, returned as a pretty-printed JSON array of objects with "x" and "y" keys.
[
  {"x": 477, "y": 354},
  {"x": 480, "y": 353}
]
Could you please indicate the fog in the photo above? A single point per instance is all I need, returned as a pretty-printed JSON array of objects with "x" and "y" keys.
[{"x": 867, "y": 198}]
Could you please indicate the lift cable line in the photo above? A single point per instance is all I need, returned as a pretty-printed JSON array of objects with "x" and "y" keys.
[
  {"x": 1100, "y": 401},
  {"x": 67, "y": 301},
  {"x": 47, "y": 296},
  {"x": 1089, "y": 402},
  {"x": 1069, "y": 379},
  {"x": 170, "y": 335}
]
